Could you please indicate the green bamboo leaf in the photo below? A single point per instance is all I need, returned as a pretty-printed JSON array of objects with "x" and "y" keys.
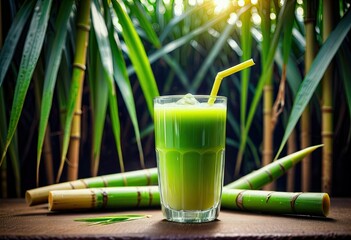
[
  {"x": 313, "y": 77},
  {"x": 51, "y": 74},
  {"x": 112, "y": 219},
  {"x": 15, "y": 31},
  {"x": 122, "y": 80},
  {"x": 31, "y": 52},
  {"x": 100, "y": 97},
  {"x": 138, "y": 10},
  {"x": 106, "y": 60},
  {"x": 137, "y": 56}
]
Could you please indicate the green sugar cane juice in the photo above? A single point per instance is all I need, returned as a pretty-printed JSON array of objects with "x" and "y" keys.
[{"x": 190, "y": 143}]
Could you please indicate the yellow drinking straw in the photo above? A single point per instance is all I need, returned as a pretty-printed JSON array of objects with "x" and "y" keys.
[{"x": 226, "y": 73}]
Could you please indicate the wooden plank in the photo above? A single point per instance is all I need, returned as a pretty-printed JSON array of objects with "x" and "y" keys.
[{"x": 18, "y": 221}]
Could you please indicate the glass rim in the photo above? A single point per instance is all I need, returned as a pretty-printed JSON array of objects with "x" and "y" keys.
[{"x": 195, "y": 95}]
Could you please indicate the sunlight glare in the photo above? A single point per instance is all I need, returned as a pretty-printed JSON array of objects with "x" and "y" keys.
[
  {"x": 299, "y": 13},
  {"x": 241, "y": 3},
  {"x": 256, "y": 19},
  {"x": 221, "y": 5},
  {"x": 178, "y": 7},
  {"x": 254, "y": 2},
  {"x": 192, "y": 2},
  {"x": 272, "y": 16}
]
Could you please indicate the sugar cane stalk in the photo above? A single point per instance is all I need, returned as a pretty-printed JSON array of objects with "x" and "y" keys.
[
  {"x": 104, "y": 198},
  {"x": 270, "y": 172},
  {"x": 305, "y": 135},
  {"x": 329, "y": 9},
  {"x": 132, "y": 178},
  {"x": 316, "y": 204},
  {"x": 83, "y": 27}
]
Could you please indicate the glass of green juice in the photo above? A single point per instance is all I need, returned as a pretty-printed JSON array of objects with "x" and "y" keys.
[{"x": 190, "y": 143}]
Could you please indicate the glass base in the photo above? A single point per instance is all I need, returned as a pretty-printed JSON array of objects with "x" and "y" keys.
[{"x": 196, "y": 216}]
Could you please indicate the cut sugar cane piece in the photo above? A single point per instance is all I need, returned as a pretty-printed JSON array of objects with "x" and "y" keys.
[
  {"x": 314, "y": 204},
  {"x": 133, "y": 178},
  {"x": 104, "y": 198},
  {"x": 269, "y": 173}
]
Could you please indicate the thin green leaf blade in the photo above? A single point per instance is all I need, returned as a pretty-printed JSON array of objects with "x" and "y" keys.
[
  {"x": 112, "y": 219},
  {"x": 121, "y": 77},
  {"x": 8, "y": 49},
  {"x": 313, "y": 77},
  {"x": 137, "y": 9},
  {"x": 138, "y": 57},
  {"x": 51, "y": 74},
  {"x": 106, "y": 60},
  {"x": 32, "y": 48},
  {"x": 100, "y": 107}
]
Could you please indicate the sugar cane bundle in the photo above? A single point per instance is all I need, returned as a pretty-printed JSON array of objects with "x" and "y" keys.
[
  {"x": 314, "y": 204},
  {"x": 133, "y": 178},
  {"x": 104, "y": 198}
]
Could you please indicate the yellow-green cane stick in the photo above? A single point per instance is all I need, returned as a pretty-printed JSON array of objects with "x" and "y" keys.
[
  {"x": 306, "y": 203},
  {"x": 142, "y": 177},
  {"x": 104, "y": 198}
]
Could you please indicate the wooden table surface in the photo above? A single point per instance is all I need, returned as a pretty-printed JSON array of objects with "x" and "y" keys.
[{"x": 18, "y": 221}]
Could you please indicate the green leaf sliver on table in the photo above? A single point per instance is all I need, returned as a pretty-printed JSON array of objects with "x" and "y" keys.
[{"x": 112, "y": 219}]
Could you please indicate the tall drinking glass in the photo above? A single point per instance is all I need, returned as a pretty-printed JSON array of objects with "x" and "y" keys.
[{"x": 190, "y": 144}]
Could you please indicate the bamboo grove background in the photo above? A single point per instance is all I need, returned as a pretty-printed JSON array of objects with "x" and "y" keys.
[{"x": 77, "y": 79}]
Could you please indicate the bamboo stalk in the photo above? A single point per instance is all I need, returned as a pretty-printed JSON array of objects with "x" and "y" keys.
[
  {"x": 48, "y": 157},
  {"x": 132, "y": 178},
  {"x": 305, "y": 136},
  {"x": 79, "y": 66},
  {"x": 104, "y": 198},
  {"x": 314, "y": 204},
  {"x": 329, "y": 8},
  {"x": 269, "y": 173},
  {"x": 267, "y": 152}
]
